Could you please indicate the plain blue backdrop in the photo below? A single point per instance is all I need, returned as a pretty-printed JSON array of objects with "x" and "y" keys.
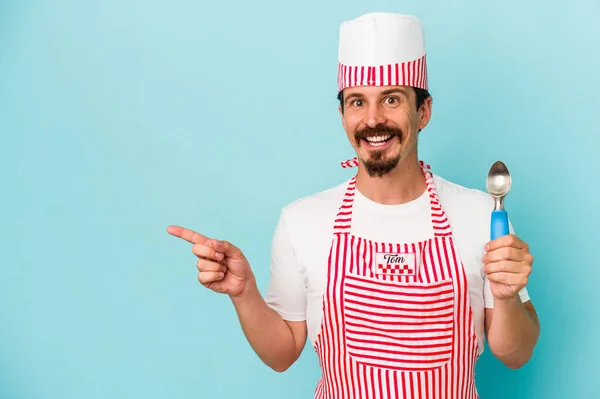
[{"x": 120, "y": 118}]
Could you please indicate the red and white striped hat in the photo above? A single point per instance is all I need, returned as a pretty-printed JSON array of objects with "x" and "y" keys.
[{"x": 382, "y": 49}]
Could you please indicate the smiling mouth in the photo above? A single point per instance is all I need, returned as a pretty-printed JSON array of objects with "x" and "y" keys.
[{"x": 378, "y": 141}]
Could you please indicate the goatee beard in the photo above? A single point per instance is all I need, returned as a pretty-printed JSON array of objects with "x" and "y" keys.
[{"x": 377, "y": 165}]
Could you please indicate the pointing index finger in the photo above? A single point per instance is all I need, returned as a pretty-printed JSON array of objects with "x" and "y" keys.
[{"x": 189, "y": 235}]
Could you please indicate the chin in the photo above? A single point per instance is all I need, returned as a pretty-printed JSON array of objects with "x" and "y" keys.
[{"x": 379, "y": 167}]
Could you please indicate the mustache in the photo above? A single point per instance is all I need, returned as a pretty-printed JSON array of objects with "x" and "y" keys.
[{"x": 379, "y": 130}]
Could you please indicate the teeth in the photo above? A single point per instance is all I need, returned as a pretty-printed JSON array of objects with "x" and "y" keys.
[{"x": 377, "y": 139}]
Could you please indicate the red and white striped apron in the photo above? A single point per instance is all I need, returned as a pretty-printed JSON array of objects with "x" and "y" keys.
[{"x": 397, "y": 319}]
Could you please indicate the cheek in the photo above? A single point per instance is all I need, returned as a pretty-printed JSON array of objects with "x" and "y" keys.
[
  {"x": 403, "y": 119},
  {"x": 352, "y": 119},
  {"x": 409, "y": 116},
  {"x": 410, "y": 121},
  {"x": 350, "y": 123}
]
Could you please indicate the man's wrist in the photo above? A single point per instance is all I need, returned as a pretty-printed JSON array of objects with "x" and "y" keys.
[
  {"x": 507, "y": 302},
  {"x": 250, "y": 290}
]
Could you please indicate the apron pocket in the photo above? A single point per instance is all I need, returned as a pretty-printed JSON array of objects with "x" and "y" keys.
[{"x": 398, "y": 326}]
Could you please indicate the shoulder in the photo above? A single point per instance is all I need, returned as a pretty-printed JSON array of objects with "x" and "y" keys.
[
  {"x": 461, "y": 198},
  {"x": 468, "y": 209},
  {"x": 311, "y": 217},
  {"x": 315, "y": 207}
]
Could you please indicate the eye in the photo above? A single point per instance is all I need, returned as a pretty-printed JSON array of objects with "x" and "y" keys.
[
  {"x": 357, "y": 103},
  {"x": 391, "y": 100}
]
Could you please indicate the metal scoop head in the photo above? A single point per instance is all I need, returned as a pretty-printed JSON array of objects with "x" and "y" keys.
[{"x": 498, "y": 183}]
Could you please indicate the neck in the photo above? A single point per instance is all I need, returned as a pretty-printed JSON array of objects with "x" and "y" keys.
[{"x": 403, "y": 184}]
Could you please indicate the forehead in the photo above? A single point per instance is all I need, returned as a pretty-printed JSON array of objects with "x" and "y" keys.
[{"x": 374, "y": 91}]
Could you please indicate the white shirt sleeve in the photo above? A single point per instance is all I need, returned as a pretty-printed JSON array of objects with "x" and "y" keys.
[
  {"x": 286, "y": 293},
  {"x": 487, "y": 291}
]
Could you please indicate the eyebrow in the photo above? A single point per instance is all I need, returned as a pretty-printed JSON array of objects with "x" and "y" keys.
[
  {"x": 392, "y": 91},
  {"x": 353, "y": 95}
]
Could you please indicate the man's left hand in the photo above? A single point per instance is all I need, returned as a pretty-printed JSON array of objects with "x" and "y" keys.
[{"x": 507, "y": 264}]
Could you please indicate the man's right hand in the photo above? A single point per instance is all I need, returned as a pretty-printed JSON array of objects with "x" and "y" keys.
[{"x": 222, "y": 267}]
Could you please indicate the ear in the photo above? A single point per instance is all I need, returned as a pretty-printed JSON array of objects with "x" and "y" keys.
[
  {"x": 342, "y": 116},
  {"x": 425, "y": 113}
]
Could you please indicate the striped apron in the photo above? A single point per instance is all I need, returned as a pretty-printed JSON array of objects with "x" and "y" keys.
[{"x": 397, "y": 320}]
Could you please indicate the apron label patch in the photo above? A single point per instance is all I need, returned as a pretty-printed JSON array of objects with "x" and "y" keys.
[{"x": 395, "y": 264}]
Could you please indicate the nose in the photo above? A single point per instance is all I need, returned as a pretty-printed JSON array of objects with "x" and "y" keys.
[{"x": 375, "y": 115}]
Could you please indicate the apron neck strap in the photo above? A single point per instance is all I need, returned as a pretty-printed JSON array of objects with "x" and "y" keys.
[
  {"x": 353, "y": 162},
  {"x": 439, "y": 220}
]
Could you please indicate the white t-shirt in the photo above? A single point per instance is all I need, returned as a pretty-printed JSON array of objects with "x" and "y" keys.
[{"x": 304, "y": 233}]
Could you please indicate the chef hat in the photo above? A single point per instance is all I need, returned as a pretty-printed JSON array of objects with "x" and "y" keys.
[{"x": 382, "y": 49}]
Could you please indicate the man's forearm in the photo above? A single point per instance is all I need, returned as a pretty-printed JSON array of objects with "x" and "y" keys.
[
  {"x": 513, "y": 332},
  {"x": 268, "y": 334}
]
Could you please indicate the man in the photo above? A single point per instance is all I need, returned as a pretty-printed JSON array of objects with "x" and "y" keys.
[{"x": 389, "y": 274}]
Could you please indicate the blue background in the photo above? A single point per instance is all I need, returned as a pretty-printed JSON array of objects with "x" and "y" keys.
[{"x": 120, "y": 118}]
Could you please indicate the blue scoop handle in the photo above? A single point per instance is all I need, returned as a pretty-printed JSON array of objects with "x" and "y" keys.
[{"x": 499, "y": 226}]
